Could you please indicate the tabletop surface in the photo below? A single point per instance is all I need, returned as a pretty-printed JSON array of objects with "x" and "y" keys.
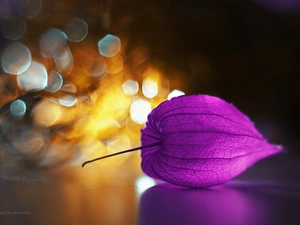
[{"x": 73, "y": 195}]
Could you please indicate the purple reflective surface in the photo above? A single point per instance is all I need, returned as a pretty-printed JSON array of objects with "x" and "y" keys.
[
  {"x": 204, "y": 141},
  {"x": 268, "y": 193},
  {"x": 234, "y": 203}
]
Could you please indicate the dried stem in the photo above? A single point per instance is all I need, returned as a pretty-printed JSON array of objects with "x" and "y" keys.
[{"x": 122, "y": 152}]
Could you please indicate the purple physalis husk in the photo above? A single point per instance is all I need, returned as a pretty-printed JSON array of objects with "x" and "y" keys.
[{"x": 203, "y": 141}]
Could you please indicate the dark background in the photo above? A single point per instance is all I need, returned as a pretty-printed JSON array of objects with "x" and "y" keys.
[{"x": 245, "y": 53}]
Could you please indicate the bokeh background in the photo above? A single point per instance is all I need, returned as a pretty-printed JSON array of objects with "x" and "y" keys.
[{"x": 245, "y": 52}]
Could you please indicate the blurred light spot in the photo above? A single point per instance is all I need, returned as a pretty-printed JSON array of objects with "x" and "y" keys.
[
  {"x": 51, "y": 42},
  {"x": 143, "y": 183},
  {"x": 68, "y": 101},
  {"x": 119, "y": 143},
  {"x": 109, "y": 46},
  {"x": 15, "y": 29},
  {"x": 150, "y": 88},
  {"x": 115, "y": 64},
  {"x": 69, "y": 88},
  {"x": 130, "y": 87},
  {"x": 34, "y": 78},
  {"x": 64, "y": 59},
  {"x": 28, "y": 8},
  {"x": 16, "y": 58},
  {"x": 18, "y": 108},
  {"x": 30, "y": 143},
  {"x": 55, "y": 82},
  {"x": 76, "y": 30},
  {"x": 47, "y": 112},
  {"x": 98, "y": 66},
  {"x": 175, "y": 93},
  {"x": 139, "y": 110}
]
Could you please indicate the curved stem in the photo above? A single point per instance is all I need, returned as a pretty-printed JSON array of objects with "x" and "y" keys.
[{"x": 119, "y": 153}]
